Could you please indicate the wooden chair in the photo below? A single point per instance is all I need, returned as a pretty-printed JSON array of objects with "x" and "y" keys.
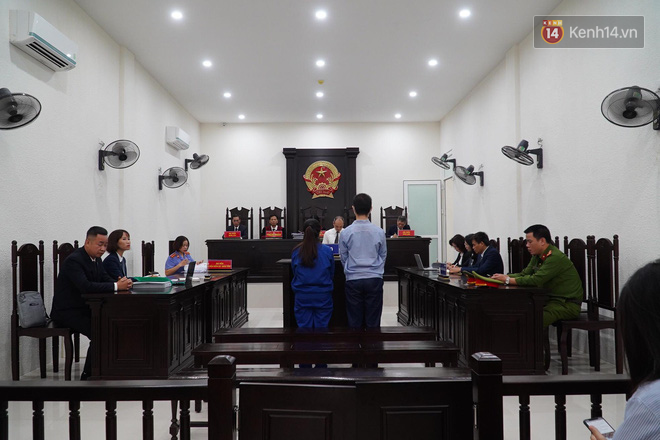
[
  {"x": 60, "y": 253},
  {"x": 266, "y": 213},
  {"x": 495, "y": 243},
  {"x": 313, "y": 212},
  {"x": 148, "y": 250},
  {"x": 246, "y": 216},
  {"x": 27, "y": 266},
  {"x": 519, "y": 256},
  {"x": 602, "y": 289},
  {"x": 389, "y": 216}
]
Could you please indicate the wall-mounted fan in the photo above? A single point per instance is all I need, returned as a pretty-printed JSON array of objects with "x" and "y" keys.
[
  {"x": 118, "y": 154},
  {"x": 467, "y": 175},
  {"x": 444, "y": 161},
  {"x": 521, "y": 154},
  {"x": 631, "y": 107},
  {"x": 17, "y": 109},
  {"x": 197, "y": 161},
  {"x": 172, "y": 178}
]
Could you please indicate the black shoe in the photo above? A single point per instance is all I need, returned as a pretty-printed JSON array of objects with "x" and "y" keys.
[{"x": 84, "y": 376}]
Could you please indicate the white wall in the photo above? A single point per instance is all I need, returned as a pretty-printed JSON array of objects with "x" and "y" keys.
[
  {"x": 51, "y": 187},
  {"x": 598, "y": 178},
  {"x": 247, "y": 167}
]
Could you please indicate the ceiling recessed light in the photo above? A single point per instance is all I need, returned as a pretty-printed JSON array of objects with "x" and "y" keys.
[
  {"x": 464, "y": 13},
  {"x": 398, "y": 115},
  {"x": 319, "y": 94},
  {"x": 321, "y": 14},
  {"x": 433, "y": 62},
  {"x": 412, "y": 94},
  {"x": 319, "y": 116},
  {"x": 177, "y": 15},
  {"x": 241, "y": 116},
  {"x": 227, "y": 95},
  {"x": 320, "y": 63},
  {"x": 207, "y": 63}
]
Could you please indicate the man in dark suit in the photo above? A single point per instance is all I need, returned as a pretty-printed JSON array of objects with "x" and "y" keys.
[
  {"x": 489, "y": 260},
  {"x": 401, "y": 223},
  {"x": 273, "y": 225},
  {"x": 82, "y": 272},
  {"x": 237, "y": 226}
]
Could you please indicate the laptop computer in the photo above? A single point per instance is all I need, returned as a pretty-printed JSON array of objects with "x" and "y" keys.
[
  {"x": 420, "y": 265},
  {"x": 189, "y": 275}
]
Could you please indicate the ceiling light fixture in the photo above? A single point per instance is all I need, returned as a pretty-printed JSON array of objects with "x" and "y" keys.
[
  {"x": 321, "y": 14},
  {"x": 398, "y": 115},
  {"x": 319, "y": 116},
  {"x": 241, "y": 117},
  {"x": 319, "y": 94},
  {"x": 227, "y": 94},
  {"x": 320, "y": 63},
  {"x": 207, "y": 63},
  {"x": 412, "y": 94},
  {"x": 177, "y": 15},
  {"x": 464, "y": 13},
  {"x": 433, "y": 62}
]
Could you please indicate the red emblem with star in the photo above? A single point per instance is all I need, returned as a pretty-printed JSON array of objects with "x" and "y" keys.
[{"x": 322, "y": 179}]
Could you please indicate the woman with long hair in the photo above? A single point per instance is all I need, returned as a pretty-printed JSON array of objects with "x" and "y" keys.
[
  {"x": 119, "y": 241},
  {"x": 638, "y": 310},
  {"x": 313, "y": 270}
]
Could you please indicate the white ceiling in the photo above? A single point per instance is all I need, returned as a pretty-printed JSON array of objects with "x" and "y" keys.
[{"x": 264, "y": 53}]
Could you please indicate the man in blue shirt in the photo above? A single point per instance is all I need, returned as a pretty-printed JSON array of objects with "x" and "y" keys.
[{"x": 363, "y": 250}]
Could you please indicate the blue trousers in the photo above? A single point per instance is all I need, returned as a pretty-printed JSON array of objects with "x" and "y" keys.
[
  {"x": 364, "y": 302},
  {"x": 313, "y": 310}
]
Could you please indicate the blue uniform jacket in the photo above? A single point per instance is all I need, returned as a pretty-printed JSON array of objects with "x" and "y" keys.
[
  {"x": 175, "y": 259},
  {"x": 316, "y": 279}
]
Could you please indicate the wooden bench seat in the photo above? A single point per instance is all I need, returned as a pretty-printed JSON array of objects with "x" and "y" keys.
[
  {"x": 345, "y": 334},
  {"x": 287, "y": 354}
]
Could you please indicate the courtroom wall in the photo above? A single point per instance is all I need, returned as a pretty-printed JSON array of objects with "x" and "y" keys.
[
  {"x": 598, "y": 178},
  {"x": 247, "y": 167},
  {"x": 51, "y": 187}
]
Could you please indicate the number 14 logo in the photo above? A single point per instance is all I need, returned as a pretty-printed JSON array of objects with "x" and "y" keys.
[{"x": 552, "y": 34}]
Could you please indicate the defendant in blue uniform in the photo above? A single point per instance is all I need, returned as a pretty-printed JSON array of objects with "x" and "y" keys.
[{"x": 313, "y": 270}]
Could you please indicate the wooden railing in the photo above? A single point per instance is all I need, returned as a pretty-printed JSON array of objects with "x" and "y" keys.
[
  {"x": 489, "y": 387},
  {"x": 110, "y": 392}
]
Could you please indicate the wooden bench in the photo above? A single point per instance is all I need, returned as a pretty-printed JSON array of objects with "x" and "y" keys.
[
  {"x": 287, "y": 354},
  {"x": 339, "y": 334}
]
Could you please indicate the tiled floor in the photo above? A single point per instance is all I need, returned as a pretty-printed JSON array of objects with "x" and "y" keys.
[{"x": 130, "y": 413}]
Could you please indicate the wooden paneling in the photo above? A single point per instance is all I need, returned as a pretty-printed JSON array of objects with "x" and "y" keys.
[
  {"x": 152, "y": 335},
  {"x": 261, "y": 256},
  {"x": 506, "y": 321}
]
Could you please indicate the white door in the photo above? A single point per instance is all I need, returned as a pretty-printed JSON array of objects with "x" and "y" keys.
[{"x": 424, "y": 201}]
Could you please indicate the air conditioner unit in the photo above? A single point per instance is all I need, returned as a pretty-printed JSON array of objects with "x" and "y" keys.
[
  {"x": 35, "y": 36},
  {"x": 177, "y": 138}
]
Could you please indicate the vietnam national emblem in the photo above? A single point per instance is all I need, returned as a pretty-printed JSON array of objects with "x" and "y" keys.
[{"x": 322, "y": 179}]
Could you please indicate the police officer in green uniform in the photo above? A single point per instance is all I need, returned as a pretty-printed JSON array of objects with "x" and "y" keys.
[{"x": 551, "y": 269}]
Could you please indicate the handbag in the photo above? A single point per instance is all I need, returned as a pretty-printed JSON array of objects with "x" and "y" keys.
[{"x": 31, "y": 310}]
